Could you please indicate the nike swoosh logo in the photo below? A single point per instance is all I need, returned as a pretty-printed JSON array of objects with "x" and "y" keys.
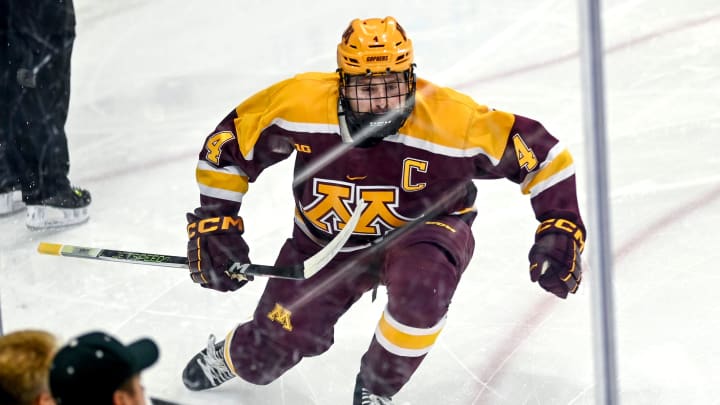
[{"x": 356, "y": 178}]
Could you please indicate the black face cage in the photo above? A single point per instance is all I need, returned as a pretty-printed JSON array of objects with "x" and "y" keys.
[{"x": 377, "y": 119}]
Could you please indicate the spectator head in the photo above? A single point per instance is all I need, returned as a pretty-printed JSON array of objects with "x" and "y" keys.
[
  {"x": 97, "y": 369},
  {"x": 25, "y": 358}
]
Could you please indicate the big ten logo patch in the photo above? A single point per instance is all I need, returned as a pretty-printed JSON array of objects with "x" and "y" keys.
[{"x": 282, "y": 316}]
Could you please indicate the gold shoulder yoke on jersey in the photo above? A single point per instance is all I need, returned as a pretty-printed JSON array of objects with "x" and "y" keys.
[
  {"x": 308, "y": 98},
  {"x": 450, "y": 119}
]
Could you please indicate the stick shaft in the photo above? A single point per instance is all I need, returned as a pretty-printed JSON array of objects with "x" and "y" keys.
[
  {"x": 300, "y": 271},
  {"x": 122, "y": 256},
  {"x": 297, "y": 272},
  {"x": 154, "y": 259}
]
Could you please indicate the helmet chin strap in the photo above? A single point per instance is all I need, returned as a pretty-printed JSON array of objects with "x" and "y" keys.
[
  {"x": 344, "y": 131},
  {"x": 367, "y": 129},
  {"x": 362, "y": 133}
]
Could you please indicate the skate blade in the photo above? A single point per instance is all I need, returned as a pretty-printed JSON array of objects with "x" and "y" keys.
[
  {"x": 11, "y": 203},
  {"x": 41, "y": 217}
]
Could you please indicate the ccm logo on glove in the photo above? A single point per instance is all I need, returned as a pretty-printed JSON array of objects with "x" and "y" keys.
[
  {"x": 563, "y": 225},
  {"x": 210, "y": 225}
]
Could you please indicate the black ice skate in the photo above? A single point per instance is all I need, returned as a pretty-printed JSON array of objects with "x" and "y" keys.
[
  {"x": 208, "y": 368},
  {"x": 68, "y": 206},
  {"x": 362, "y": 396}
]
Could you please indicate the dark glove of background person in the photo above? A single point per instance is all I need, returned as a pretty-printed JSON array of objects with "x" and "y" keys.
[
  {"x": 214, "y": 243},
  {"x": 555, "y": 257}
]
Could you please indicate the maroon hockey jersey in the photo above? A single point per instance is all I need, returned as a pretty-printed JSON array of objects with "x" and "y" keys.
[{"x": 447, "y": 141}]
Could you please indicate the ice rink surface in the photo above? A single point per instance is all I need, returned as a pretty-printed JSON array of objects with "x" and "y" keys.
[{"x": 151, "y": 78}]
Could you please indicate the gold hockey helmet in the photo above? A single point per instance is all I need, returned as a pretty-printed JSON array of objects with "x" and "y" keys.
[{"x": 374, "y": 45}]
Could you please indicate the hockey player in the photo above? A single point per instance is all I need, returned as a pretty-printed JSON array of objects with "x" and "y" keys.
[{"x": 408, "y": 148}]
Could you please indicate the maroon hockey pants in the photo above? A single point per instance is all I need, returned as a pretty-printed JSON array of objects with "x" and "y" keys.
[{"x": 295, "y": 319}]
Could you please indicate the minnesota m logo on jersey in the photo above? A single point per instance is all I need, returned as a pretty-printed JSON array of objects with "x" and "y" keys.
[{"x": 335, "y": 200}]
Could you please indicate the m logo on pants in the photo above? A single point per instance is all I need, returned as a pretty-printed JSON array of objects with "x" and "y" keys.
[{"x": 282, "y": 316}]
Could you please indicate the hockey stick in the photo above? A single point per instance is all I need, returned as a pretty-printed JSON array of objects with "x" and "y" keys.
[{"x": 300, "y": 271}]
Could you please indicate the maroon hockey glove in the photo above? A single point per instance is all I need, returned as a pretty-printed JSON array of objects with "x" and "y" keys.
[
  {"x": 214, "y": 244},
  {"x": 555, "y": 257}
]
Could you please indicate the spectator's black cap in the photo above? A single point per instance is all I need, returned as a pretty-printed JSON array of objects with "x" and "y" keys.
[{"x": 91, "y": 367}]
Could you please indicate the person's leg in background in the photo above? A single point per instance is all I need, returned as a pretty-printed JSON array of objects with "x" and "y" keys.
[
  {"x": 39, "y": 87},
  {"x": 10, "y": 195}
]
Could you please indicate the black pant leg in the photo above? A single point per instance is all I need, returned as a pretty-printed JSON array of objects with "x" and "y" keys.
[
  {"x": 8, "y": 172},
  {"x": 37, "y": 124}
]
